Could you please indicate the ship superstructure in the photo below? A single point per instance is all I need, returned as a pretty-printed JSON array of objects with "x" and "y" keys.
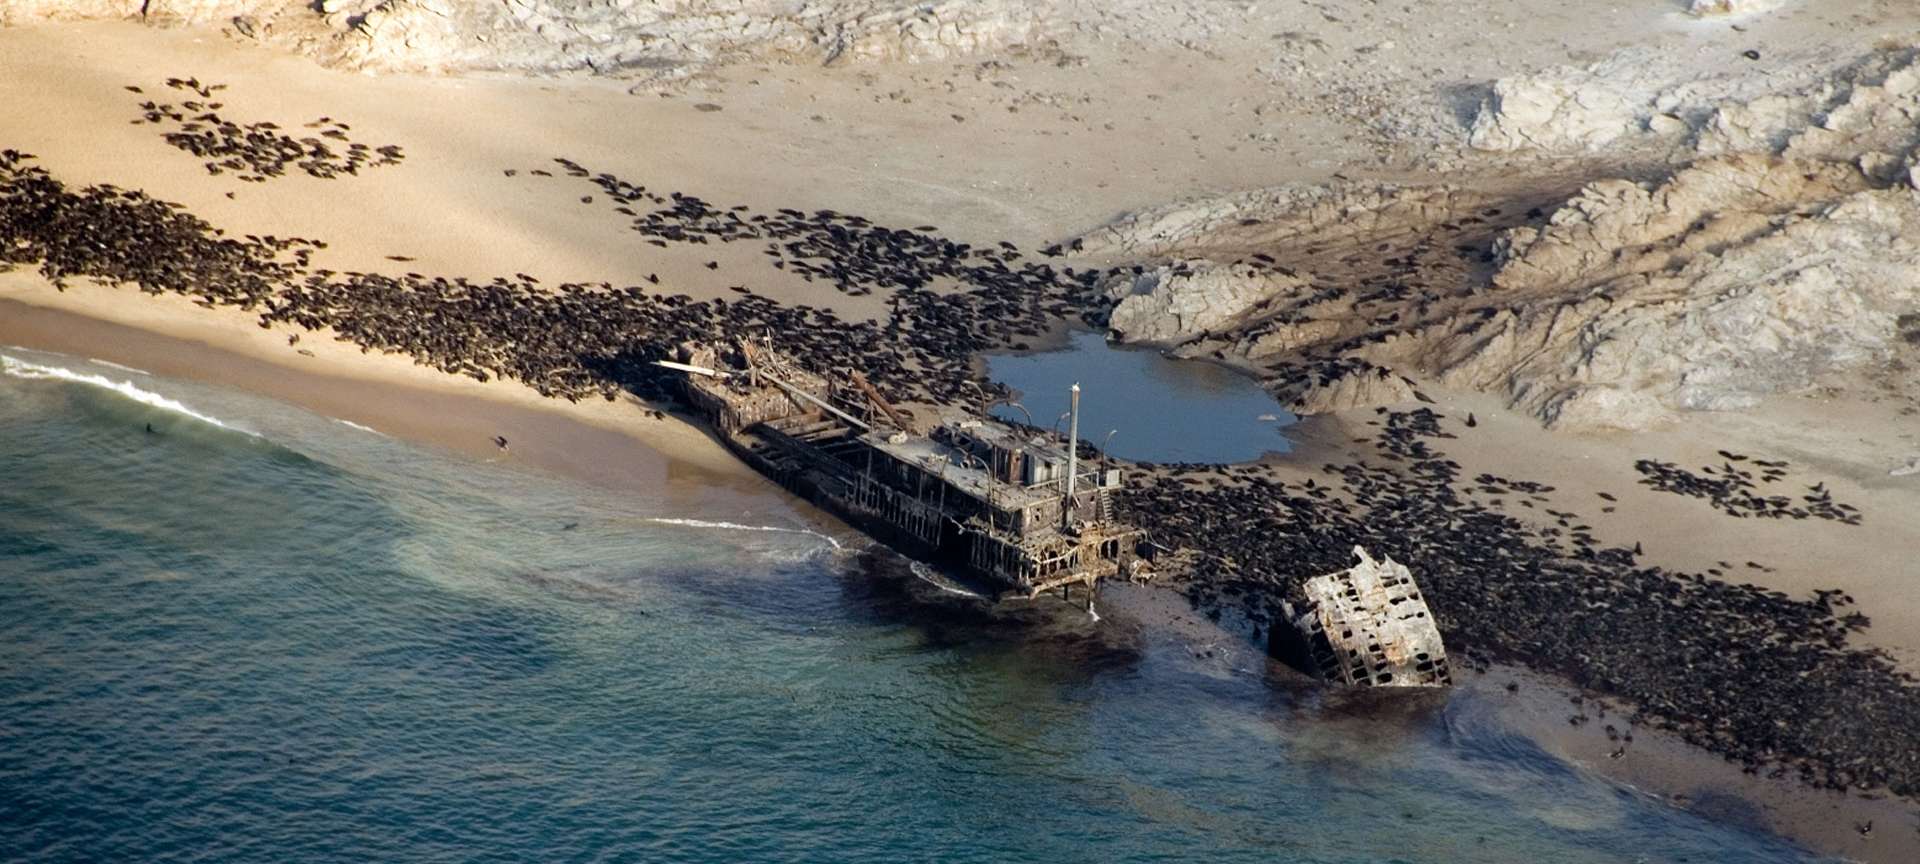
[{"x": 1018, "y": 509}]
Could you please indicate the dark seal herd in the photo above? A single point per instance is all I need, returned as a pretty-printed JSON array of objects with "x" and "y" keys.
[
  {"x": 255, "y": 152},
  {"x": 1735, "y": 490},
  {"x": 1765, "y": 679}
]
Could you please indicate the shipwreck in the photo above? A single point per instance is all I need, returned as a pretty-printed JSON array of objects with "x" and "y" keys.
[
  {"x": 1012, "y": 509},
  {"x": 1366, "y": 626}
]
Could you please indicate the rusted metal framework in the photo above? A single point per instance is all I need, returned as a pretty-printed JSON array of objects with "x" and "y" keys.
[
  {"x": 1013, "y": 506},
  {"x": 1369, "y": 626}
]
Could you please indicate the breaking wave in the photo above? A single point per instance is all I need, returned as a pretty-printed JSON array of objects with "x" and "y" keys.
[
  {"x": 928, "y": 575},
  {"x": 735, "y": 526},
  {"x": 16, "y": 368},
  {"x": 351, "y": 424}
]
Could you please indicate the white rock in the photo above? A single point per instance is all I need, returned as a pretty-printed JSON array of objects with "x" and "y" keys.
[
  {"x": 1704, "y": 8},
  {"x": 1740, "y": 277},
  {"x": 1779, "y": 265},
  {"x": 1571, "y": 109},
  {"x": 1599, "y": 406},
  {"x": 652, "y": 39},
  {"x": 1666, "y": 124},
  {"x": 1176, "y": 302}
]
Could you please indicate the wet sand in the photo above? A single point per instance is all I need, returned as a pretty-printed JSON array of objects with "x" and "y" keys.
[{"x": 614, "y": 445}]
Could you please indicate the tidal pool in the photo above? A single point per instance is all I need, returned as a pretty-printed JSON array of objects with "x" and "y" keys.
[{"x": 1159, "y": 409}]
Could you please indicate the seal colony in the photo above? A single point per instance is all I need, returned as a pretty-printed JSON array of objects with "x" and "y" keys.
[
  {"x": 257, "y": 151},
  {"x": 1731, "y": 490},
  {"x": 1766, "y": 679}
]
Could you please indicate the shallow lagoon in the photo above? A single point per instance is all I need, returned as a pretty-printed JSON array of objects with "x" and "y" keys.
[{"x": 1164, "y": 409}]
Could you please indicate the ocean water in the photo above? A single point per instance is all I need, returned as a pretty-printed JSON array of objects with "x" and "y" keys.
[
  {"x": 256, "y": 634},
  {"x": 1159, "y": 408}
]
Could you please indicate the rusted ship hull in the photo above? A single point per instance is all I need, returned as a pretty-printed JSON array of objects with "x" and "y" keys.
[
  {"x": 817, "y": 490},
  {"x": 1005, "y": 511},
  {"x": 951, "y": 582}
]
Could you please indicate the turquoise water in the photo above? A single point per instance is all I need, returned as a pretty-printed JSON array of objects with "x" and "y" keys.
[
  {"x": 1159, "y": 409},
  {"x": 291, "y": 640}
]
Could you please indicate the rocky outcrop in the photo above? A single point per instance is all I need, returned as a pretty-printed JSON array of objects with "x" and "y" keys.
[
  {"x": 1867, "y": 110},
  {"x": 1738, "y": 278},
  {"x": 170, "y": 12},
  {"x": 921, "y": 32},
  {"x": 627, "y": 38},
  {"x": 1731, "y": 8},
  {"x": 1570, "y": 109},
  {"x": 1349, "y": 389},
  {"x": 1743, "y": 275},
  {"x": 1262, "y": 218},
  {"x": 1704, "y": 8},
  {"x": 1641, "y": 99},
  {"x": 1187, "y": 299},
  {"x": 635, "y": 38},
  {"x": 1786, "y": 255}
]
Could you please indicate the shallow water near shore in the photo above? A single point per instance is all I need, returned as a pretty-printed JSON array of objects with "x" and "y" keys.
[
  {"x": 1160, "y": 409},
  {"x": 283, "y": 638}
]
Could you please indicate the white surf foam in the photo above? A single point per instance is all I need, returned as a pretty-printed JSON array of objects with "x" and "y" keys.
[
  {"x": 927, "y": 575},
  {"x": 112, "y": 365},
  {"x": 735, "y": 526},
  {"x": 17, "y": 368},
  {"x": 351, "y": 424}
]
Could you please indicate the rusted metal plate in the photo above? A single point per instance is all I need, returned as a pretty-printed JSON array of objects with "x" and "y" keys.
[{"x": 1369, "y": 626}]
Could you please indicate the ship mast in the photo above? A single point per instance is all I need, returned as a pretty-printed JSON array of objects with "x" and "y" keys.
[{"x": 1073, "y": 453}]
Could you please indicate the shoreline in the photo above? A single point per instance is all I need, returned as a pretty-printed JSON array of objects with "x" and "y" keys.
[
  {"x": 738, "y": 157},
  {"x": 1535, "y": 705},
  {"x": 611, "y": 445},
  {"x": 579, "y": 442}
]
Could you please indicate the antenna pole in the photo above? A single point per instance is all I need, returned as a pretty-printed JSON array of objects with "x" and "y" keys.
[{"x": 1073, "y": 450}]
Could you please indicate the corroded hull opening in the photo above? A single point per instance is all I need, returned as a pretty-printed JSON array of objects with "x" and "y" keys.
[{"x": 1368, "y": 626}]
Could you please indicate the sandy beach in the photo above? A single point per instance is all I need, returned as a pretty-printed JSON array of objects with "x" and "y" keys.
[
  {"x": 597, "y": 443},
  {"x": 1039, "y": 155}
]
